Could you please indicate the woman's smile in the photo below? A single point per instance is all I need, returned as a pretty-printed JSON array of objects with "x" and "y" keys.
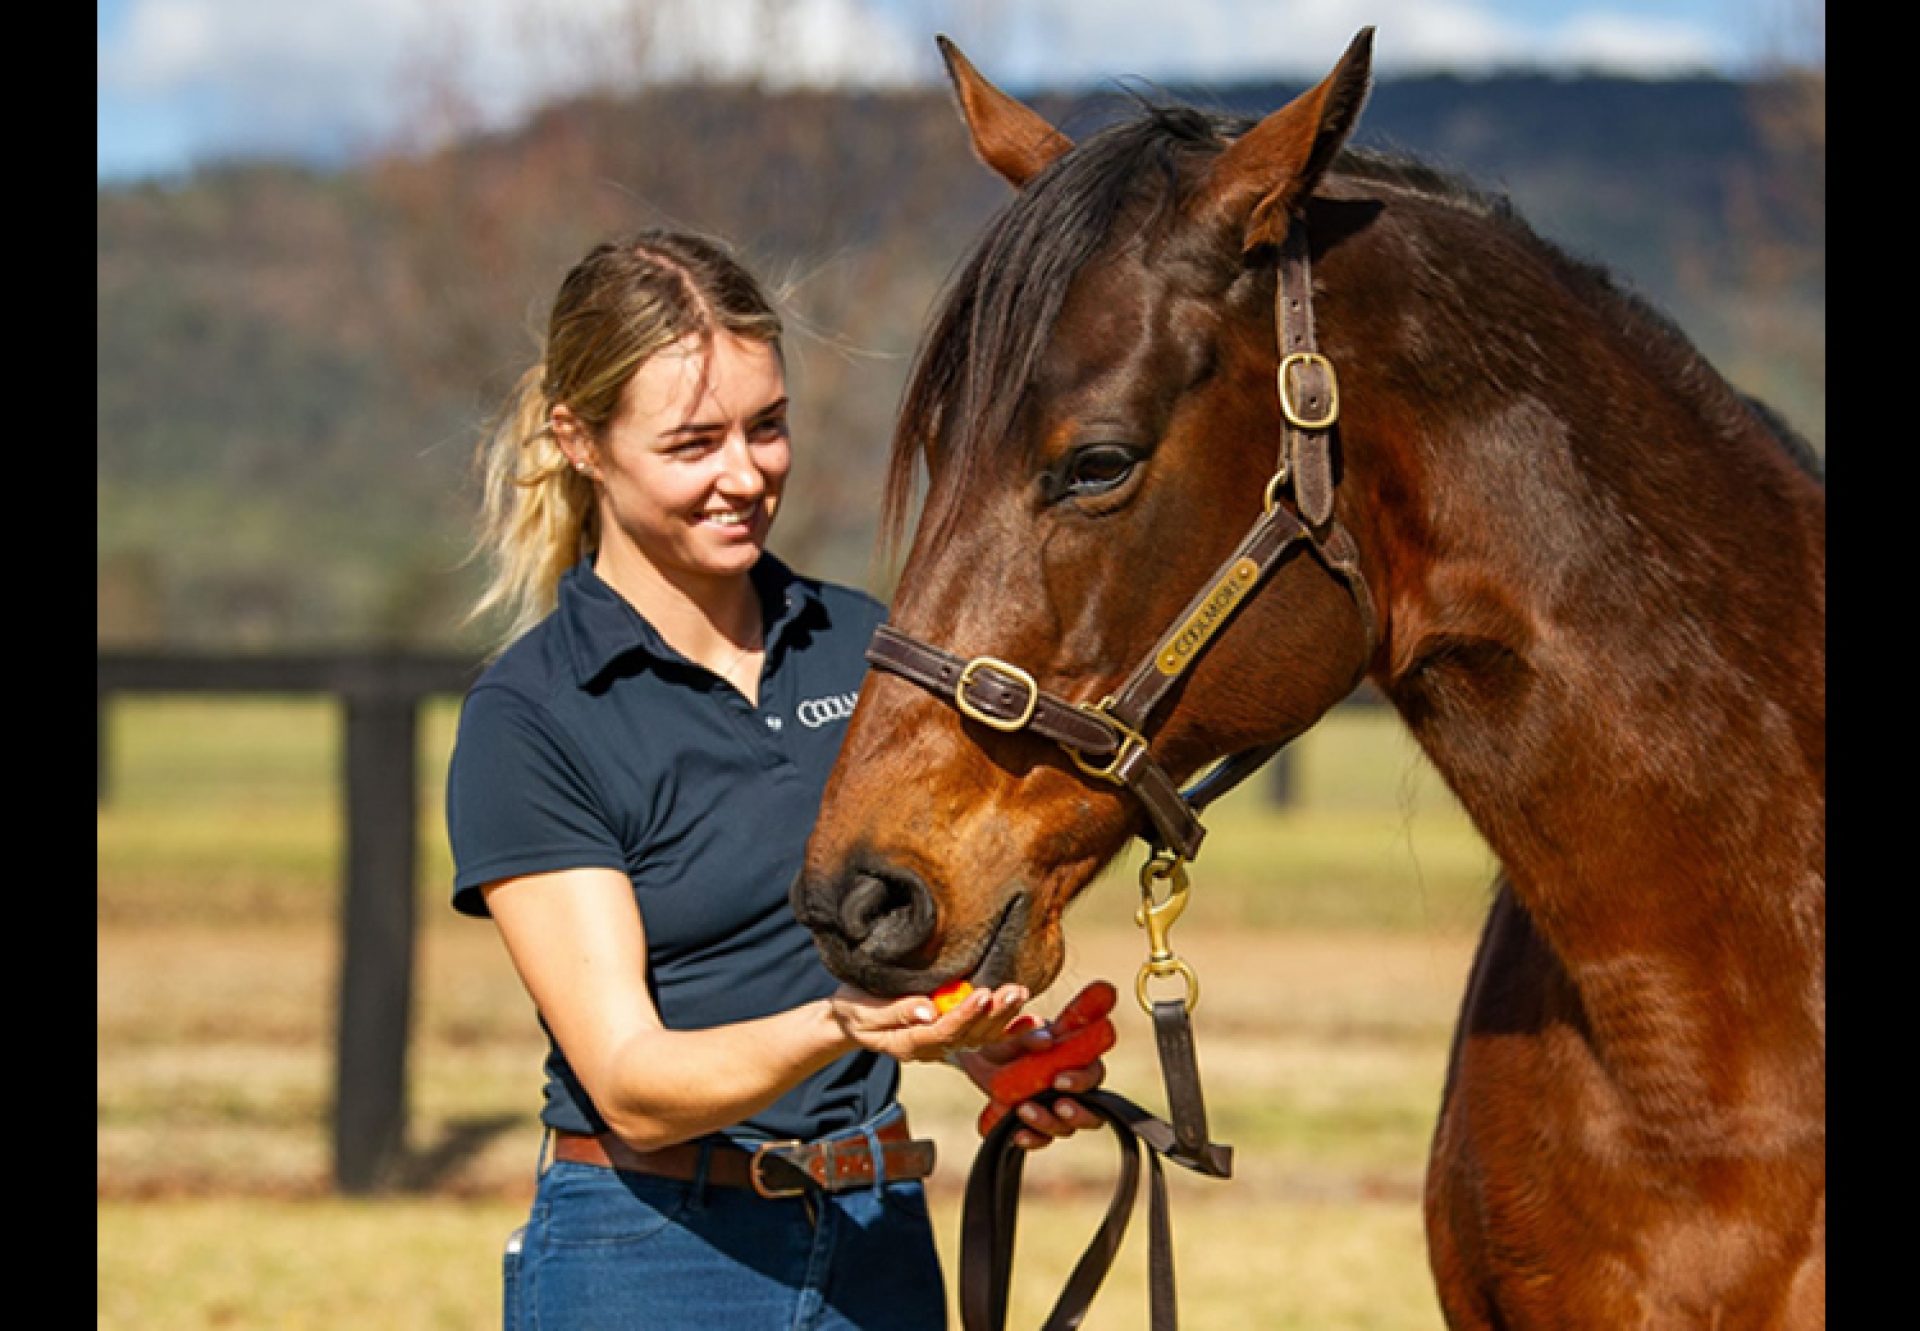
[{"x": 693, "y": 467}]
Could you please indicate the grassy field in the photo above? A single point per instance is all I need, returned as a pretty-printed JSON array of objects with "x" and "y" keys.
[{"x": 1332, "y": 937}]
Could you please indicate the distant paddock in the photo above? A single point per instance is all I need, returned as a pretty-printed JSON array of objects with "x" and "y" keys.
[{"x": 381, "y": 695}]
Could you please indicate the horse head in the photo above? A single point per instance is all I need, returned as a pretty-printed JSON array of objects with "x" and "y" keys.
[
  {"x": 1587, "y": 573},
  {"x": 1096, "y": 411}
]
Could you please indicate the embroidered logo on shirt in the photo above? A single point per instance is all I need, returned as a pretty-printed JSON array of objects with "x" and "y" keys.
[{"x": 817, "y": 712}]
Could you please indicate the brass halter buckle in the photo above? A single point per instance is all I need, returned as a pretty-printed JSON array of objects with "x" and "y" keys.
[
  {"x": 1287, "y": 406},
  {"x": 1156, "y": 917},
  {"x": 1131, "y": 740},
  {"x": 998, "y": 667}
]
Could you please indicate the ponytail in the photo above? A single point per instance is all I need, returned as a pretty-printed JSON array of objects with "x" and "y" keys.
[{"x": 537, "y": 514}]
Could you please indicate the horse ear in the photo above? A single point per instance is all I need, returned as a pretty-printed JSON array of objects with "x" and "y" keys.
[
  {"x": 1265, "y": 174},
  {"x": 1007, "y": 135}
]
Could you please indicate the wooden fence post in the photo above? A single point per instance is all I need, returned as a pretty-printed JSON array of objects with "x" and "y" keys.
[
  {"x": 101, "y": 747},
  {"x": 382, "y": 692},
  {"x": 376, "y": 969},
  {"x": 1281, "y": 790}
]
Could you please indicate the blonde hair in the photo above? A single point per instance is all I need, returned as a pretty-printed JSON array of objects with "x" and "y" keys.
[{"x": 627, "y": 300}]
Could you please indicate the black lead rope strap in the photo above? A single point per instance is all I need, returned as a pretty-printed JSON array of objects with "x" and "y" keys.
[{"x": 993, "y": 1192}]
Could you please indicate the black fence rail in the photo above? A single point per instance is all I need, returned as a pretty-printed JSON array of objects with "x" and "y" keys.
[{"x": 382, "y": 693}]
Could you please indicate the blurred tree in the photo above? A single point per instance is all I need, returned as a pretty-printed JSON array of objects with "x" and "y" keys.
[
  {"x": 294, "y": 366},
  {"x": 1765, "y": 262},
  {"x": 130, "y": 608}
]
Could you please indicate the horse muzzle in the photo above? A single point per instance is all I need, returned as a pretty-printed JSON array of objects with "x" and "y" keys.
[{"x": 877, "y": 927}]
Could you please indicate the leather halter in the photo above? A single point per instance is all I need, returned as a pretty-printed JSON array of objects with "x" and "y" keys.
[{"x": 1106, "y": 740}]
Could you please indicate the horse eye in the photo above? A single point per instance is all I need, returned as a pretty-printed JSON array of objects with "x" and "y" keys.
[{"x": 1098, "y": 468}]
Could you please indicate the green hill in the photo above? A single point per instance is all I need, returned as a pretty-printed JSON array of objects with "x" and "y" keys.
[{"x": 293, "y": 365}]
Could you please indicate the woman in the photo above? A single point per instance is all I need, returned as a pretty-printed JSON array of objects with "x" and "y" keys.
[{"x": 633, "y": 783}]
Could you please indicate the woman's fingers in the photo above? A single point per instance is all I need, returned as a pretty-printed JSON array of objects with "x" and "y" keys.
[
  {"x": 981, "y": 1018},
  {"x": 1084, "y": 1078},
  {"x": 914, "y": 1028},
  {"x": 1025, "y": 1077},
  {"x": 1042, "y": 1125}
]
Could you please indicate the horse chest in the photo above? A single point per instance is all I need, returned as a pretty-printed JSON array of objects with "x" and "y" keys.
[{"x": 1550, "y": 1203}]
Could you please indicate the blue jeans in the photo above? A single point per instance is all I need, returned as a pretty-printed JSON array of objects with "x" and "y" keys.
[{"x": 606, "y": 1249}]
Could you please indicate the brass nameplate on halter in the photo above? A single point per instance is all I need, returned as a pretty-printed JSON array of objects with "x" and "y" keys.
[{"x": 1185, "y": 642}]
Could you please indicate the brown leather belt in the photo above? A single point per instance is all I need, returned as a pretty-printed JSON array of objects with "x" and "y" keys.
[{"x": 776, "y": 1169}]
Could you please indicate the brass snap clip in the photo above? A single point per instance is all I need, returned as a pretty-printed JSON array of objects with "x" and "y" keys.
[{"x": 1156, "y": 916}]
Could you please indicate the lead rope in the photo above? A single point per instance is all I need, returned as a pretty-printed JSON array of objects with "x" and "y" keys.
[{"x": 993, "y": 1186}]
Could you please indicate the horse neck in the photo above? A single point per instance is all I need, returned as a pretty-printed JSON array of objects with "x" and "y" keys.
[{"x": 1605, "y": 609}]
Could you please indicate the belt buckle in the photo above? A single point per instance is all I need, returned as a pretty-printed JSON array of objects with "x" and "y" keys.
[{"x": 760, "y": 1185}]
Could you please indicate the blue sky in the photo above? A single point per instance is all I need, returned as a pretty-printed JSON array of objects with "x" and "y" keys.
[{"x": 182, "y": 81}]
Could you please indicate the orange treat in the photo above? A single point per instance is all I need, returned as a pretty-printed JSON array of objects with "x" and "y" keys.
[{"x": 950, "y": 996}]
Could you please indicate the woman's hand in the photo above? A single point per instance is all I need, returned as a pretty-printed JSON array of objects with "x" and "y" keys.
[
  {"x": 911, "y": 1030},
  {"x": 1034, "y": 1057}
]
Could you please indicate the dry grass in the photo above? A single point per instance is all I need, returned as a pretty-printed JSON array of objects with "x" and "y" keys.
[
  {"x": 1333, "y": 942},
  {"x": 406, "y": 1263},
  {"x": 1322, "y": 1055}
]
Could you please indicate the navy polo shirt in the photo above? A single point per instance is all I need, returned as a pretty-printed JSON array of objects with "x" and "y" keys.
[{"x": 592, "y": 743}]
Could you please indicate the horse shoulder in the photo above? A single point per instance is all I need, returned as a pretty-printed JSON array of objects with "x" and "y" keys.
[{"x": 1542, "y": 1207}]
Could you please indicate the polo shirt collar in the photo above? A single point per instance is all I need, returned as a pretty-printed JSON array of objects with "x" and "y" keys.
[{"x": 602, "y": 627}]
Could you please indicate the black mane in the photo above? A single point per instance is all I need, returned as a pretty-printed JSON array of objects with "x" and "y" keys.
[
  {"x": 999, "y": 308},
  {"x": 1628, "y": 310}
]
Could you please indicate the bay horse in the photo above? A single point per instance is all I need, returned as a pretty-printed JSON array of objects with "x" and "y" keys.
[{"x": 1587, "y": 573}]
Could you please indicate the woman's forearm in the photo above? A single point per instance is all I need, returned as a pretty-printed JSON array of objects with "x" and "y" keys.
[
  {"x": 664, "y": 1086},
  {"x": 659, "y": 1086}
]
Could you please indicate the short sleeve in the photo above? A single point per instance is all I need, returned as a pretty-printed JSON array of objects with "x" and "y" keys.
[{"x": 519, "y": 800}]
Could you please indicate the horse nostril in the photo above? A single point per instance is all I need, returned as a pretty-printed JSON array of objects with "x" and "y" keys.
[
  {"x": 864, "y": 903},
  {"x": 886, "y": 917}
]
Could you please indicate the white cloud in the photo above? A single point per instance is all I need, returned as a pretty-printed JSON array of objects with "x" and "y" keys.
[
  {"x": 289, "y": 74},
  {"x": 166, "y": 43},
  {"x": 785, "y": 44},
  {"x": 1025, "y": 43},
  {"x": 1636, "y": 43},
  {"x": 294, "y": 75}
]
